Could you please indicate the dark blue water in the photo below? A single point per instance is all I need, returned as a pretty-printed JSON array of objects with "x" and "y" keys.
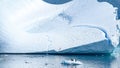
[
  {"x": 54, "y": 61},
  {"x": 57, "y": 1}
]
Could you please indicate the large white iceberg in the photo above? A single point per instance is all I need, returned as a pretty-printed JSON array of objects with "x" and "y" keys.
[{"x": 78, "y": 26}]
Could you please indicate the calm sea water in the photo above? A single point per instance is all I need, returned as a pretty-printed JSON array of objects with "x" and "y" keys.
[{"x": 54, "y": 61}]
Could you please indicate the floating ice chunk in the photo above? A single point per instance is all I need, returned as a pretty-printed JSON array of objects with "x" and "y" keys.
[{"x": 72, "y": 62}]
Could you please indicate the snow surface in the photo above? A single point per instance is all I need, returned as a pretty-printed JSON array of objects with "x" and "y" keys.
[{"x": 35, "y": 25}]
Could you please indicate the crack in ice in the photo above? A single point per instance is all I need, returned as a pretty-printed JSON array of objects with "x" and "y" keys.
[{"x": 99, "y": 28}]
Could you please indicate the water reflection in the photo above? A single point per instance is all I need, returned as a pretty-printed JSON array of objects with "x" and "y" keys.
[{"x": 54, "y": 61}]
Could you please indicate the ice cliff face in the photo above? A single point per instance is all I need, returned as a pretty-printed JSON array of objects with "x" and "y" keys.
[
  {"x": 40, "y": 25},
  {"x": 115, "y": 4}
]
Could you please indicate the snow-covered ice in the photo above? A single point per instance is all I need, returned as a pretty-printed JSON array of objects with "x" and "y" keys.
[{"x": 78, "y": 26}]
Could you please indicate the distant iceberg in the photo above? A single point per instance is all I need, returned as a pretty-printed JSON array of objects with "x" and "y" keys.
[{"x": 69, "y": 26}]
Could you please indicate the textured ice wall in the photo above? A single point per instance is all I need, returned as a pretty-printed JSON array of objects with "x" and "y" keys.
[{"x": 115, "y": 4}]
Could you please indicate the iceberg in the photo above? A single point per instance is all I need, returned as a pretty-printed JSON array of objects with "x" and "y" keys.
[{"x": 59, "y": 27}]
